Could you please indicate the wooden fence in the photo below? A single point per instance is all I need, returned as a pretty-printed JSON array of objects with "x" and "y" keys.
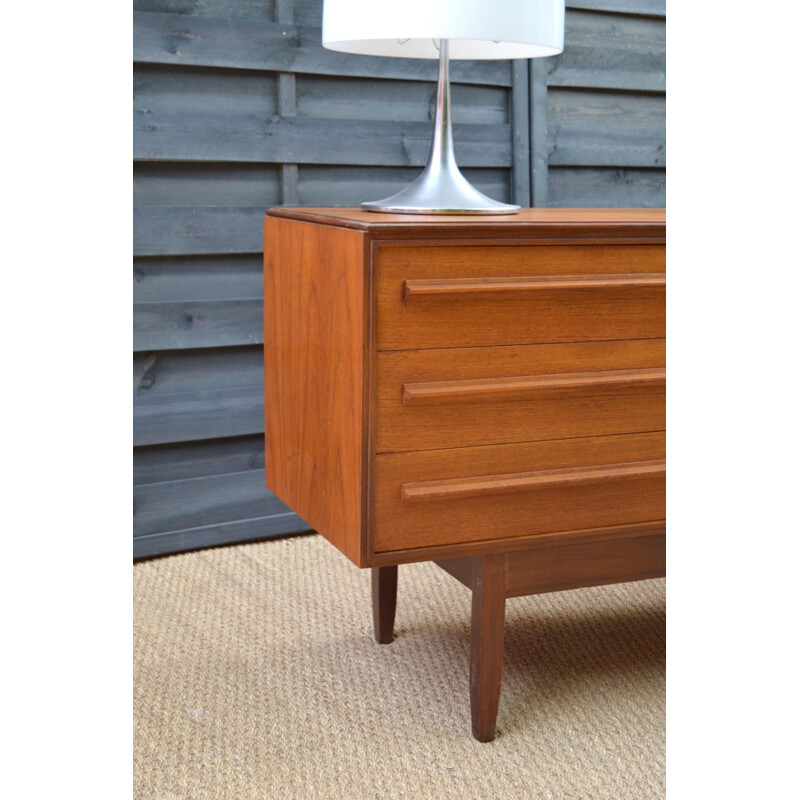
[{"x": 237, "y": 107}]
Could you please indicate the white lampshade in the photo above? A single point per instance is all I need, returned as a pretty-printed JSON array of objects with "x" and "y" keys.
[{"x": 477, "y": 29}]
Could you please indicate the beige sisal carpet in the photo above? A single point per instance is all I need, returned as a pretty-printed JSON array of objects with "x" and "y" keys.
[{"x": 256, "y": 677}]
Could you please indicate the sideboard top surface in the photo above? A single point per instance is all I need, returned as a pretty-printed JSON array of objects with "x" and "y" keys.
[{"x": 527, "y": 222}]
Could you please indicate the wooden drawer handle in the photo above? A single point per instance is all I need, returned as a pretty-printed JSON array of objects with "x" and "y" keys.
[
  {"x": 526, "y": 386},
  {"x": 526, "y": 481},
  {"x": 499, "y": 287}
]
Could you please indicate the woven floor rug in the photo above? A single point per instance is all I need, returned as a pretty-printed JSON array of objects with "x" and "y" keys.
[{"x": 256, "y": 676}]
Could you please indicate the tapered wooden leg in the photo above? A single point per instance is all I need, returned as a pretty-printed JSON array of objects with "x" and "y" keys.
[
  {"x": 384, "y": 602},
  {"x": 486, "y": 661}
]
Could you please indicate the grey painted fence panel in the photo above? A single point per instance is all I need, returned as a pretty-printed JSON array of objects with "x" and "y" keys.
[
  {"x": 598, "y": 110},
  {"x": 192, "y": 324},
  {"x": 617, "y": 129},
  {"x": 178, "y": 230},
  {"x": 206, "y": 184},
  {"x": 647, "y": 8},
  {"x": 165, "y": 88},
  {"x": 244, "y": 530},
  {"x": 607, "y": 51},
  {"x": 212, "y": 414},
  {"x": 257, "y": 10},
  {"x": 238, "y": 107},
  {"x": 279, "y": 47},
  {"x": 175, "y": 372},
  {"x": 615, "y": 188},
  {"x": 179, "y": 278},
  {"x": 295, "y": 140},
  {"x": 209, "y": 500},
  {"x": 174, "y": 462},
  {"x": 328, "y": 97}
]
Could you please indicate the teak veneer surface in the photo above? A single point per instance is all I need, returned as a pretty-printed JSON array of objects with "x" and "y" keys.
[
  {"x": 604, "y": 494},
  {"x": 314, "y": 350},
  {"x": 520, "y": 294},
  {"x": 401, "y": 350},
  {"x": 541, "y": 221},
  {"x": 490, "y": 395},
  {"x": 483, "y": 392}
]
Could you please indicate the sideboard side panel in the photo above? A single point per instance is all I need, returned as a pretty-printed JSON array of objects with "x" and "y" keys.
[{"x": 314, "y": 375}]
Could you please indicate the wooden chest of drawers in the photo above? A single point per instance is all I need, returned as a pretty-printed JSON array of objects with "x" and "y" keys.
[{"x": 485, "y": 392}]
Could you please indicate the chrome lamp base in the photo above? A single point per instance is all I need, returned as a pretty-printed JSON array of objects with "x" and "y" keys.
[
  {"x": 439, "y": 192},
  {"x": 441, "y": 188}
]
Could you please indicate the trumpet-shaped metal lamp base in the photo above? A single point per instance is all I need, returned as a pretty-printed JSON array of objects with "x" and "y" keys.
[
  {"x": 440, "y": 192},
  {"x": 441, "y": 189}
]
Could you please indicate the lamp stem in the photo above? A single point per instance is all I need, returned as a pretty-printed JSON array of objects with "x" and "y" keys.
[
  {"x": 441, "y": 188},
  {"x": 442, "y": 143}
]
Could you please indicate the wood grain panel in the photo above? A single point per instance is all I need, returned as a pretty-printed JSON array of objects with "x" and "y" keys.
[
  {"x": 314, "y": 345},
  {"x": 553, "y": 569},
  {"x": 574, "y": 225},
  {"x": 485, "y": 296},
  {"x": 429, "y": 399},
  {"x": 515, "y": 544},
  {"x": 572, "y": 563},
  {"x": 631, "y": 496}
]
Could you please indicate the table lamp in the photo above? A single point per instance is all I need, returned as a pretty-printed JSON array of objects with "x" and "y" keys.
[{"x": 444, "y": 29}]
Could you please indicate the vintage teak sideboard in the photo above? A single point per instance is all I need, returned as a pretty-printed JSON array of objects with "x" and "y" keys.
[{"x": 482, "y": 392}]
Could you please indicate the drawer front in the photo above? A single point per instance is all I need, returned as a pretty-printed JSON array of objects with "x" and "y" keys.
[
  {"x": 469, "y": 495},
  {"x": 478, "y": 296},
  {"x": 431, "y": 399}
]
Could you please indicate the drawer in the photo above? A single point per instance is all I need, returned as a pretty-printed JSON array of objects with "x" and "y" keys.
[
  {"x": 430, "y": 399},
  {"x": 476, "y": 296},
  {"x": 445, "y": 497}
]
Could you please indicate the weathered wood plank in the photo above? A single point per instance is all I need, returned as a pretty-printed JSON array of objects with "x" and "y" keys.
[
  {"x": 233, "y": 9},
  {"x": 606, "y": 129},
  {"x": 160, "y": 87},
  {"x": 205, "y": 184},
  {"x": 174, "y": 462},
  {"x": 181, "y": 278},
  {"x": 169, "y": 230},
  {"x": 281, "y": 47},
  {"x": 213, "y": 414},
  {"x": 328, "y": 97},
  {"x": 606, "y": 145},
  {"x": 644, "y": 8},
  {"x": 245, "y": 530},
  {"x": 202, "y": 501},
  {"x": 520, "y": 133},
  {"x": 612, "y": 188},
  {"x": 192, "y": 371},
  {"x": 193, "y": 324},
  {"x": 538, "y": 124},
  {"x": 611, "y": 52},
  {"x": 225, "y": 137}
]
